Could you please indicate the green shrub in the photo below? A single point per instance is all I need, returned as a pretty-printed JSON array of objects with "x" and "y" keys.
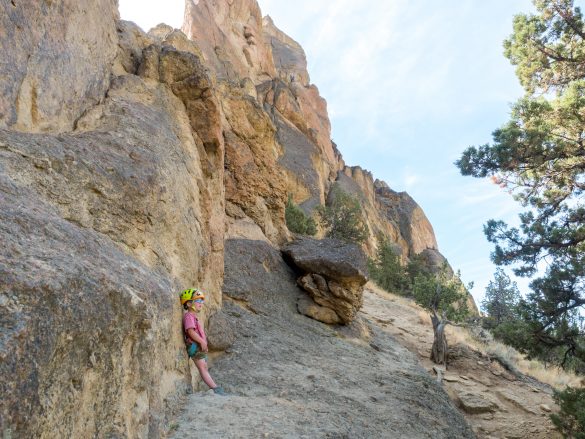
[
  {"x": 387, "y": 271},
  {"x": 442, "y": 294},
  {"x": 297, "y": 221},
  {"x": 417, "y": 266},
  {"x": 570, "y": 420},
  {"x": 342, "y": 218}
]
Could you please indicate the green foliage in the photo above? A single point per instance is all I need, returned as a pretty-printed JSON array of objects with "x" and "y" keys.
[
  {"x": 501, "y": 299},
  {"x": 570, "y": 420},
  {"x": 417, "y": 266},
  {"x": 297, "y": 221},
  {"x": 539, "y": 155},
  {"x": 387, "y": 271},
  {"x": 342, "y": 217},
  {"x": 442, "y": 294}
]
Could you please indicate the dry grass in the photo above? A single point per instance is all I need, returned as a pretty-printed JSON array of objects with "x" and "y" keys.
[
  {"x": 397, "y": 298},
  {"x": 553, "y": 376},
  {"x": 424, "y": 318}
]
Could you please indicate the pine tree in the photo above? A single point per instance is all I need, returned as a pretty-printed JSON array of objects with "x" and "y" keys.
[
  {"x": 539, "y": 155},
  {"x": 501, "y": 298}
]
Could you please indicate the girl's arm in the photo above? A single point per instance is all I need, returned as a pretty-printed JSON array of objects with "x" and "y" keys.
[{"x": 196, "y": 337}]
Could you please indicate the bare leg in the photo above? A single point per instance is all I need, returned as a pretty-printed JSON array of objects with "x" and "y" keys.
[{"x": 202, "y": 367}]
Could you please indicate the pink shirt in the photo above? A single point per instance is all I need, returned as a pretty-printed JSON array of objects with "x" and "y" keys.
[{"x": 190, "y": 321}]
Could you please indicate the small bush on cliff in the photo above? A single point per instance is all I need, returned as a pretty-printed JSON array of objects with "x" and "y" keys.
[
  {"x": 570, "y": 420},
  {"x": 297, "y": 221},
  {"x": 387, "y": 271},
  {"x": 342, "y": 217}
]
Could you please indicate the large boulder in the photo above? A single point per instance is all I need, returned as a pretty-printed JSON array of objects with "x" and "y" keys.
[{"x": 334, "y": 273}]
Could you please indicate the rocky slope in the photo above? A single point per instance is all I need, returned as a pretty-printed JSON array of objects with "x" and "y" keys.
[
  {"x": 289, "y": 376},
  {"x": 496, "y": 402},
  {"x": 127, "y": 160}
]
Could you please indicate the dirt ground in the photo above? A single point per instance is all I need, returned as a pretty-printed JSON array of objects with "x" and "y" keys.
[{"x": 520, "y": 405}]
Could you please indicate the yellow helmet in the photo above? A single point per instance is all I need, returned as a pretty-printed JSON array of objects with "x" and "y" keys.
[{"x": 191, "y": 294}]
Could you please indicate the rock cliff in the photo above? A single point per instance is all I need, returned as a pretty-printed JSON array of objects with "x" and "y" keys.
[{"x": 127, "y": 160}]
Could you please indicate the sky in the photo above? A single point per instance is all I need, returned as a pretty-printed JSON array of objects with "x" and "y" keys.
[{"x": 409, "y": 84}]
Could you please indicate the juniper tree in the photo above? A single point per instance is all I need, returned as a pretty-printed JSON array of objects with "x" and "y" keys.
[
  {"x": 386, "y": 269},
  {"x": 539, "y": 155},
  {"x": 297, "y": 221},
  {"x": 445, "y": 297}
]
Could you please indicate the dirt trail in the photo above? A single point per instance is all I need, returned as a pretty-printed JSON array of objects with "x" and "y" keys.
[{"x": 519, "y": 404}]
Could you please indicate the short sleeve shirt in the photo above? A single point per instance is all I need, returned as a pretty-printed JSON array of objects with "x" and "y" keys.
[{"x": 190, "y": 321}]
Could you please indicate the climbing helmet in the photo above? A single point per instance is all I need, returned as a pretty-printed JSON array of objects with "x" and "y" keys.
[{"x": 191, "y": 294}]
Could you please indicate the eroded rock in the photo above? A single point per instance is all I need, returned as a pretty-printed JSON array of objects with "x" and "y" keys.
[
  {"x": 49, "y": 74},
  {"x": 334, "y": 275},
  {"x": 220, "y": 332}
]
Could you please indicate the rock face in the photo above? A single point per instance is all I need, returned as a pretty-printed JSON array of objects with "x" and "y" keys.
[
  {"x": 101, "y": 227},
  {"x": 230, "y": 35},
  {"x": 127, "y": 159},
  {"x": 334, "y": 276},
  {"x": 50, "y": 75},
  {"x": 89, "y": 346}
]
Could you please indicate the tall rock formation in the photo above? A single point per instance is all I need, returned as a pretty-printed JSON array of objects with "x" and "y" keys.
[
  {"x": 126, "y": 161},
  {"x": 102, "y": 222}
]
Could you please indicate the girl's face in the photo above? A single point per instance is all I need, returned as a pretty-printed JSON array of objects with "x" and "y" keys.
[{"x": 196, "y": 305}]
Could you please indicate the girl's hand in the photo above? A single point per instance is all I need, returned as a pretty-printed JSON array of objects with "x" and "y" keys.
[{"x": 204, "y": 347}]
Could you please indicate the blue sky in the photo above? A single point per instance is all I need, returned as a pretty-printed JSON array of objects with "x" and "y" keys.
[{"x": 409, "y": 85}]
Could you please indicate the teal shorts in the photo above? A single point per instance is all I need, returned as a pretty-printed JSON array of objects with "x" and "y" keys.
[{"x": 194, "y": 352}]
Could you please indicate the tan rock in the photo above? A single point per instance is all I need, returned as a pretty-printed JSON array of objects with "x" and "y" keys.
[
  {"x": 308, "y": 307},
  {"x": 474, "y": 403},
  {"x": 56, "y": 61},
  {"x": 515, "y": 400},
  {"x": 451, "y": 378},
  {"x": 482, "y": 380},
  {"x": 230, "y": 35}
]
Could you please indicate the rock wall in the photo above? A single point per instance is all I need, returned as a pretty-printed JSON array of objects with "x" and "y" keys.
[
  {"x": 49, "y": 74},
  {"x": 126, "y": 161},
  {"x": 101, "y": 227}
]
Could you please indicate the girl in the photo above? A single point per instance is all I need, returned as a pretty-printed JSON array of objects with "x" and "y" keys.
[{"x": 192, "y": 300}]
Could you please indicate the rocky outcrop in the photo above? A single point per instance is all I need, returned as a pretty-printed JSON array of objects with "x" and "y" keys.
[
  {"x": 290, "y": 376},
  {"x": 399, "y": 208},
  {"x": 334, "y": 273},
  {"x": 265, "y": 75},
  {"x": 230, "y": 35}
]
